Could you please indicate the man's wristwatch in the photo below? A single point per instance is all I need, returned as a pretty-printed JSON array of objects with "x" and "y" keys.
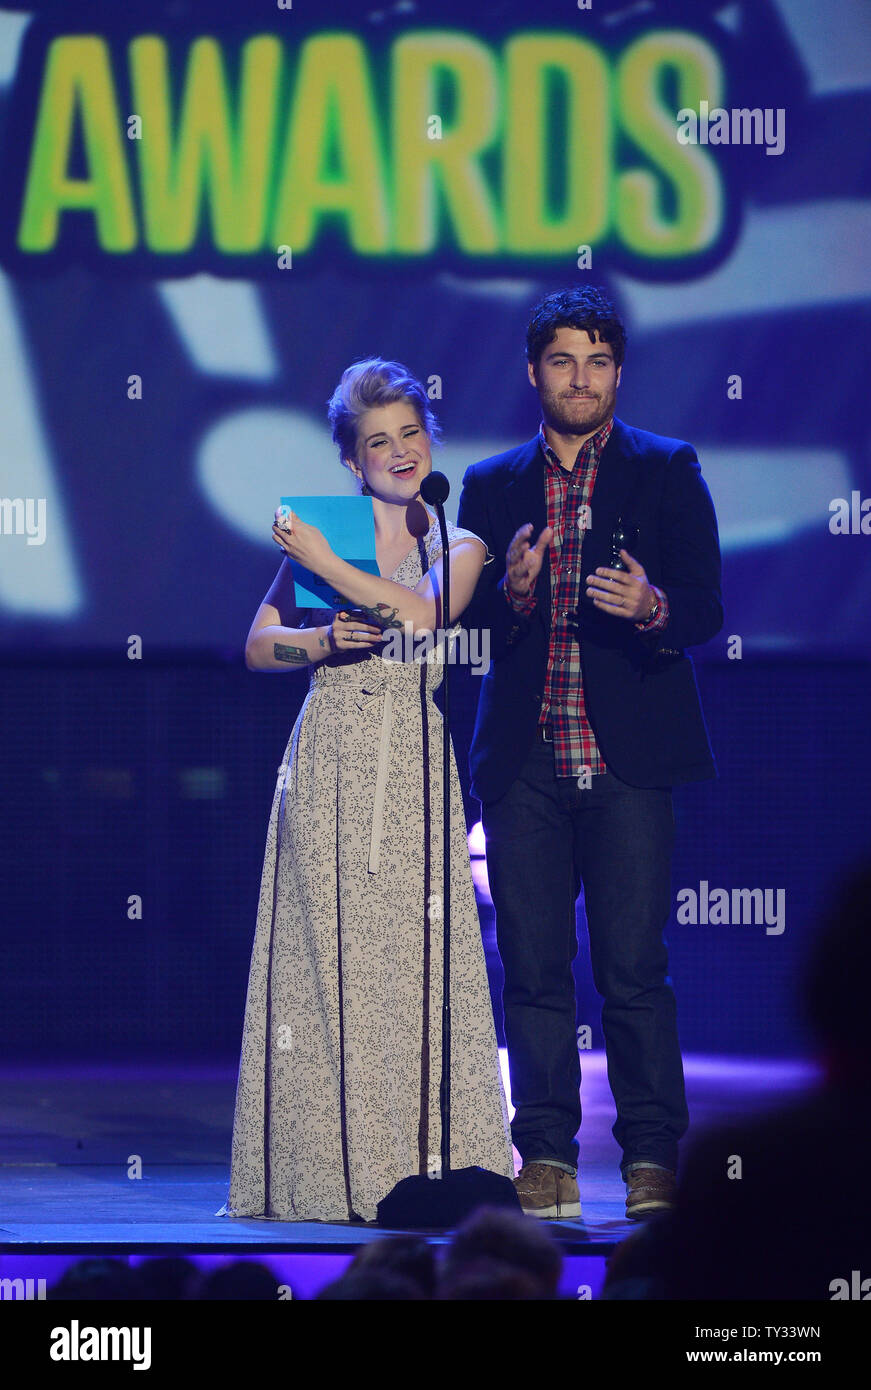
[{"x": 652, "y": 614}]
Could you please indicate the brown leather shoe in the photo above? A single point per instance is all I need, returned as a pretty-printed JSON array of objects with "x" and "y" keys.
[
  {"x": 547, "y": 1192},
  {"x": 648, "y": 1191}
]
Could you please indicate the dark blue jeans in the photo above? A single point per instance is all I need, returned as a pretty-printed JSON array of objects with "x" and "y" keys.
[{"x": 546, "y": 837}]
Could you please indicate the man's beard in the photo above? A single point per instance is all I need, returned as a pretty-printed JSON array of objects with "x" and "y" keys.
[{"x": 558, "y": 412}]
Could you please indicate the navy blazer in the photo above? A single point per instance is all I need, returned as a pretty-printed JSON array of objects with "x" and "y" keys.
[{"x": 639, "y": 689}]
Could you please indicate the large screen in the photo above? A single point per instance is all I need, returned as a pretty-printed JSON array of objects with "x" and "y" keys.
[{"x": 209, "y": 211}]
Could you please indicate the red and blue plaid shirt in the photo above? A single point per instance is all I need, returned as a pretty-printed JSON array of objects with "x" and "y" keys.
[{"x": 568, "y": 497}]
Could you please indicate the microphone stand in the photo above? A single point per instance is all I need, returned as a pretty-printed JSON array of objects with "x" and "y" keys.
[
  {"x": 418, "y": 1201},
  {"x": 445, "y": 1088}
]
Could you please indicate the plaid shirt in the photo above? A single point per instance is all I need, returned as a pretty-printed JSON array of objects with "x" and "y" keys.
[{"x": 562, "y": 705}]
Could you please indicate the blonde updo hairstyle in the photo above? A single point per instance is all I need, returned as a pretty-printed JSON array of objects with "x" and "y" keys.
[{"x": 372, "y": 382}]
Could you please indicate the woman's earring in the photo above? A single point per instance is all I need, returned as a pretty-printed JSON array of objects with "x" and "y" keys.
[{"x": 365, "y": 490}]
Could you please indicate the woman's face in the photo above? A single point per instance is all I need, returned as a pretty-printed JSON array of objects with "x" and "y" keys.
[{"x": 393, "y": 452}]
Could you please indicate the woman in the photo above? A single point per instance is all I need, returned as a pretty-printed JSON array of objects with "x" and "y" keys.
[{"x": 338, "y": 1091}]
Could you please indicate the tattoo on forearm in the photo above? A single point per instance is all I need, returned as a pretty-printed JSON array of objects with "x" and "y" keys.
[
  {"x": 295, "y": 656},
  {"x": 382, "y": 615}
]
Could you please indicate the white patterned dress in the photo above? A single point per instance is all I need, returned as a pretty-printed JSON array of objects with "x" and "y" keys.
[{"x": 338, "y": 1090}]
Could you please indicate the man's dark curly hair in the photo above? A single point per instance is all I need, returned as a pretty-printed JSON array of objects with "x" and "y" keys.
[{"x": 585, "y": 308}]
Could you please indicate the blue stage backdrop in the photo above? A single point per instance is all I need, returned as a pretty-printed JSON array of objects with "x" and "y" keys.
[{"x": 208, "y": 211}]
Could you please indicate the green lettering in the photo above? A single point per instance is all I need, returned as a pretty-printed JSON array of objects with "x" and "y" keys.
[
  {"x": 652, "y": 125},
  {"x": 333, "y": 114},
  {"x": 451, "y": 163},
  {"x": 77, "y": 80},
  {"x": 207, "y": 154},
  {"x": 533, "y": 63}
]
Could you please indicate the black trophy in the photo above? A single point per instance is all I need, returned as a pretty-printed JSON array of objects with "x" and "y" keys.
[{"x": 624, "y": 538}]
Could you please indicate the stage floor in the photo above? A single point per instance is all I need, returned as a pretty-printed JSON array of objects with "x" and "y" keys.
[{"x": 68, "y": 1136}]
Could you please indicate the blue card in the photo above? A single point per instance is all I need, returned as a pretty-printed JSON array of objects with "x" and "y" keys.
[{"x": 349, "y": 527}]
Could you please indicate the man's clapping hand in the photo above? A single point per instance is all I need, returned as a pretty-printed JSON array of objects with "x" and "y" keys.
[{"x": 523, "y": 561}]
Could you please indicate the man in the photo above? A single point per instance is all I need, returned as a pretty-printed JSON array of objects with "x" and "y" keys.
[{"x": 588, "y": 716}]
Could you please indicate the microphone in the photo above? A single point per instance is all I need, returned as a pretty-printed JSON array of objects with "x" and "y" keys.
[{"x": 435, "y": 489}]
